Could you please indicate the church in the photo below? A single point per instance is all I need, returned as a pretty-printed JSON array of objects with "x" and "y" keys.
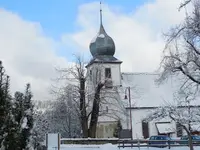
[{"x": 129, "y": 97}]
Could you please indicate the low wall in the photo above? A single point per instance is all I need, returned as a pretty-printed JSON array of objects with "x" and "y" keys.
[{"x": 91, "y": 141}]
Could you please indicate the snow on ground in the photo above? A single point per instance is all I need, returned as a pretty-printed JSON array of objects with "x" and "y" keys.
[{"x": 115, "y": 147}]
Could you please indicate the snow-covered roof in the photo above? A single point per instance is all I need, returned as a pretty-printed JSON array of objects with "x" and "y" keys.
[
  {"x": 145, "y": 92},
  {"x": 195, "y": 127},
  {"x": 104, "y": 59},
  {"x": 164, "y": 128}
]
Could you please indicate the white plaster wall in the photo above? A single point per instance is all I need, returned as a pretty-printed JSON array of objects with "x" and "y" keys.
[
  {"x": 106, "y": 129},
  {"x": 137, "y": 116},
  {"x": 115, "y": 108},
  {"x": 115, "y": 72}
]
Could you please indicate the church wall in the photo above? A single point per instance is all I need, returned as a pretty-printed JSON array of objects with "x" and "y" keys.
[
  {"x": 115, "y": 72},
  {"x": 106, "y": 129},
  {"x": 137, "y": 116},
  {"x": 111, "y": 111}
]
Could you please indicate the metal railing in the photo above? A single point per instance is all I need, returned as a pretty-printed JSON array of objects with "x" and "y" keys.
[
  {"x": 155, "y": 143},
  {"x": 122, "y": 143},
  {"x": 89, "y": 141}
]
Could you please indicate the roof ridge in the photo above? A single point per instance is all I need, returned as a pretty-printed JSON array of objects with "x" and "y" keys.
[{"x": 139, "y": 73}]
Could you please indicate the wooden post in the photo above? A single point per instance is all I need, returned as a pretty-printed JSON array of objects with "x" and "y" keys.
[
  {"x": 138, "y": 144},
  {"x": 169, "y": 146}
]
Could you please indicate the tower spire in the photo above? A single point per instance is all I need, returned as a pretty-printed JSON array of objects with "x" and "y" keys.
[
  {"x": 102, "y": 30},
  {"x": 102, "y": 44},
  {"x": 100, "y": 14}
]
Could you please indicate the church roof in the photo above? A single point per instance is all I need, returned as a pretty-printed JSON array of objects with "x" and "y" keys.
[
  {"x": 102, "y": 44},
  {"x": 145, "y": 92},
  {"x": 104, "y": 59}
]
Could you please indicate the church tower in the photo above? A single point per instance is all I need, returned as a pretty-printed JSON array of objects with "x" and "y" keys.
[{"x": 104, "y": 66}]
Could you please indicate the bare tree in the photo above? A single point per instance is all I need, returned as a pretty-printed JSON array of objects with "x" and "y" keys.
[
  {"x": 75, "y": 75},
  {"x": 88, "y": 93},
  {"x": 182, "y": 61},
  {"x": 182, "y": 51},
  {"x": 64, "y": 117},
  {"x": 180, "y": 111},
  {"x": 184, "y": 3},
  {"x": 40, "y": 128}
]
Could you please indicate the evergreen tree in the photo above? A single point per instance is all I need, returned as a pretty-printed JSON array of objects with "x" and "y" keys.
[
  {"x": 18, "y": 107},
  {"x": 3, "y": 105},
  {"x": 18, "y": 112},
  {"x": 8, "y": 126},
  {"x": 16, "y": 116},
  {"x": 117, "y": 129},
  {"x": 27, "y": 121},
  {"x": 11, "y": 140}
]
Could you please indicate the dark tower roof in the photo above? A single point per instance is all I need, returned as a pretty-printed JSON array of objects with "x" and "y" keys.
[
  {"x": 102, "y": 44},
  {"x": 102, "y": 47}
]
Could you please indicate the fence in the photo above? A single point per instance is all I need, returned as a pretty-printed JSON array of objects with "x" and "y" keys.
[
  {"x": 89, "y": 141},
  {"x": 122, "y": 143},
  {"x": 155, "y": 143}
]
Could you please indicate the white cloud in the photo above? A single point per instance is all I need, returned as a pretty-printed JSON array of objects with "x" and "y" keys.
[
  {"x": 27, "y": 54},
  {"x": 137, "y": 34}
]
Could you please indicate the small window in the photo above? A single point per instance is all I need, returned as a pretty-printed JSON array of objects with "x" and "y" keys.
[
  {"x": 108, "y": 73},
  {"x": 90, "y": 75},
  {"x": 145, "y": 129},
  {"x": 107, "y": 109},
  {"x": 97, "y": 76}
]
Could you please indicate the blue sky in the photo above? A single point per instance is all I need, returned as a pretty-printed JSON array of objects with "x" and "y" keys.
[{"x": 58, "y": 16}]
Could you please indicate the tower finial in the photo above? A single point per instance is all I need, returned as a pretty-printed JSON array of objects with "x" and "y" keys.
[{"x": 100, "y": 14}]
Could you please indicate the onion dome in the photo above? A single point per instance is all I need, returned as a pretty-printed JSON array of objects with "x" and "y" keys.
[{"x": 102, "y": 44}]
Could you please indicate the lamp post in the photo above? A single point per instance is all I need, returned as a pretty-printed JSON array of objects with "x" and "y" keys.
[{"x": 129, "y": 98}]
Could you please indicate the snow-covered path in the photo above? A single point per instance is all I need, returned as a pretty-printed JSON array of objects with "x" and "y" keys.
[{"x": 114, "y": 147}]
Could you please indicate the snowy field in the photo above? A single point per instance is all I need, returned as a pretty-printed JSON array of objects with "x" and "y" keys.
[{"x": 114, "y": 147}]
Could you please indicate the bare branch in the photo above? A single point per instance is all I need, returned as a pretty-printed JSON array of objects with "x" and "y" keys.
[{"x": 184, "y": 4}]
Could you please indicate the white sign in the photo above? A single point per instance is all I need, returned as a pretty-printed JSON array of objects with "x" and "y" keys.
[{"x": 53, "y": 141}]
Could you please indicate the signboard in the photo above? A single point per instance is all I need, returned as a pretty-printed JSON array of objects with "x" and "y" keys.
[
  {"x": 53, "y": 141},
  {"x": 125, "y": 133}
]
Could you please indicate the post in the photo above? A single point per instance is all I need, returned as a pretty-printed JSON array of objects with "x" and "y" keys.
[
  {"x": 129, "y": 97},
  {"x": 169, "y": 146}
]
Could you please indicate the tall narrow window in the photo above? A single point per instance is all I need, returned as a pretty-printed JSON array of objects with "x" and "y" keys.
[
  {"x": 107, "y": 109},
  {"x": 145, "y": 129},
  {"x": 97, "y": 76},
  {"x": 90, "y": 75},
  {"x": 108, "y": 80},
  {"x": 107, "y": 72}
]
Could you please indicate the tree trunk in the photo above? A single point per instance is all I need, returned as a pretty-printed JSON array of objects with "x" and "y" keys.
[
  {"x": 84, "y": 119},
  {"x": 189, "y": 137},
  {"x": 94, "y": 118},
  {"x": 84, "y": 124},
  {"x": 95, "y": 111}
]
